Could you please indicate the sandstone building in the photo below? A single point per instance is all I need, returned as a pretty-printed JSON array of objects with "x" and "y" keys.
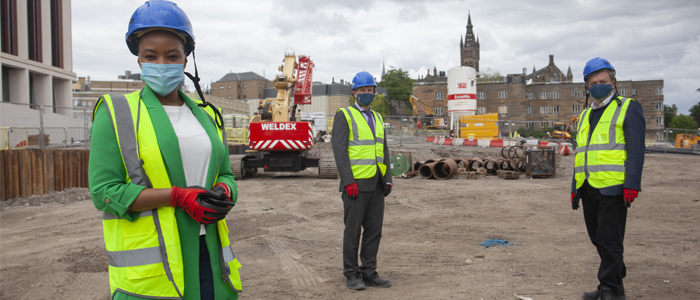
[{"x": 536, "y": 99}]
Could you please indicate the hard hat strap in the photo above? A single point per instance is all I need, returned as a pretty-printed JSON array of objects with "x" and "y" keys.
[{"x": 195, "y": 79}]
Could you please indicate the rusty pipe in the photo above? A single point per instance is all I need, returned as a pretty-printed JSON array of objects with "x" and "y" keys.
[
  {"x": 426, "y": 170},
  {"x": 444, "y": 169},
  {"x": 417, "y": 165}
]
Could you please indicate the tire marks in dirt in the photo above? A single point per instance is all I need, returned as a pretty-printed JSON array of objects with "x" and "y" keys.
[{"x": 300, "y": 274}]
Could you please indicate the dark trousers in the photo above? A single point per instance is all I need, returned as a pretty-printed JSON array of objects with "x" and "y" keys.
[
  {"x": 366, "y": 212},
  {"x": 206, "y": 279},
  {"x": 606, "y": 217}
]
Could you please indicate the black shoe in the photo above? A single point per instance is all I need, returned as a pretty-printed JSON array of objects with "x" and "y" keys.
[
  {"x": 375, "y": 281},
  {"x": 591, "y": 295},
  {"x": 608, "y": 294},
  {"x": 354, "y": 282}
]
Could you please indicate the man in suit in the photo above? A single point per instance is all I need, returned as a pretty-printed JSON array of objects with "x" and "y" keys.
[
  {"x": 363, "y": 161},
  {"x": 607, "y": 172}
]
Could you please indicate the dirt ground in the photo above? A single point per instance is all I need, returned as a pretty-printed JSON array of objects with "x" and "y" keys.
[{"x": 287, "y": 233}]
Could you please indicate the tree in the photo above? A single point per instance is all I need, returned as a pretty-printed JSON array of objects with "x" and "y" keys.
[
  {"x": 670, "y": 112},
  {"x": 380, "y": 104},
  {"x": 695, "y": 112},
  {"x": 683, "y": 122},
  {"x": 399, "y": 86}
]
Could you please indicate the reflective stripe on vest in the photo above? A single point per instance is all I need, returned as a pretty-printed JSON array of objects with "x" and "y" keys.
[
  {"x": 601, "y": 154},
  {"x": 365, "y": 150},
  {"x": 141, "y": 262}
]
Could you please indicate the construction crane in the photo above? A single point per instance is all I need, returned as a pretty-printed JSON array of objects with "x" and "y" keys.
[
  {"x": 277, "y": 132},
  {"x": 428, "y": 121}
]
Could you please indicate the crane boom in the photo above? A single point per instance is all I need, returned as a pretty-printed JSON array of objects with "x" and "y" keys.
[
  {"x": 302, "y": 89},
  {"x": 415, "y": 102}
]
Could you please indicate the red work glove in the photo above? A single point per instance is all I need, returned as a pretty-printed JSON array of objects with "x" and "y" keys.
[
  {"x": 630, "y": 195},
  {"x": 199, "y": 203},
  {"x": 574, "y": 201},
  {"x": 223, "y": 190},
  {"x": 351, "y": 190}
]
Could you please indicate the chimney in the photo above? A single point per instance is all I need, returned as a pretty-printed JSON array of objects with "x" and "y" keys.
[
  {"x": 332, "y": 79},
  {"x": 524, "y": 71},
  {"x": 341, "y": 81},
  {"x": 551, "y": 59}
]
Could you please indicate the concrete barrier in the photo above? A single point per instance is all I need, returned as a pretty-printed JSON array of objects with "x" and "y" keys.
[
  {"x": 485, "y": 143},
  {"x": 469, "y": 143},
  {"x": 496, "y": 144}
]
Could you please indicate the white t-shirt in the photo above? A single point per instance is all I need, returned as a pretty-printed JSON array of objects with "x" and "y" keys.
[{"x": 195, "y": 146}]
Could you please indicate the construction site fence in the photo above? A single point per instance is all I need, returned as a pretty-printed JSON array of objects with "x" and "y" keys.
[
  {"x": 39, "y": 136},
  {"x": 28, "y": 172}
]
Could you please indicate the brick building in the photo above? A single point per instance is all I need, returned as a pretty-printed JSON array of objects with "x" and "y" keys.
[
  {"x": 240, "y": 86},
  {"x": 537, "y": 99}
]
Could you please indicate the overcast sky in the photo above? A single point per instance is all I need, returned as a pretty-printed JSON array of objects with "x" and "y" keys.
[{"x": 642, "y": 39}]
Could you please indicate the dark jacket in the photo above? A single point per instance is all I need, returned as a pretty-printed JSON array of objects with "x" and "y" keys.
[
  {"x": 634, "y": 127},
  {"x": 339, "y": 138}
]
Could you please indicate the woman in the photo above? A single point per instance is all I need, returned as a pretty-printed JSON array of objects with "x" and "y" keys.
[{"x": 171, "y": 148}]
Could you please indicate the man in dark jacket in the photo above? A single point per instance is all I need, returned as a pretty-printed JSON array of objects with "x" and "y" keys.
[
  {"x": 608, "y": 172},
  {"x": 363, "y": 161}
]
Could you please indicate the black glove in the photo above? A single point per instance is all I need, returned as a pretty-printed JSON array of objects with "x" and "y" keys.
[
  {"x": 387, "y": 192},
  {"x": 575, "y": 198}
]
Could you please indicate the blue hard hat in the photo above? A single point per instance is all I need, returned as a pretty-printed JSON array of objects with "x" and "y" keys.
[
  {"x": 159, "y": 14},
  {"x": 363, "y": 79},
  {"x": 595, "y": 65}
]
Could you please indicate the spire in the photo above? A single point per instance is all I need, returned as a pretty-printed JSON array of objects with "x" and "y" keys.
[
  {"x": 477, "y": 40},
  {"x": 569, "y": 75},
  {"x": 383, "y": 69},
  {"x": 533, "y": 69},
  {"x": 461, "y": 42},
  {"x": 470, "y": 33}
]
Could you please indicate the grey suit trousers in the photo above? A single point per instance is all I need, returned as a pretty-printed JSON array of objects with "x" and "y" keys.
[{"x": 365, "y": 212}]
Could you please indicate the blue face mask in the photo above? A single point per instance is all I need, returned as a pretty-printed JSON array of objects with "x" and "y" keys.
[
  {"x": 162, "y": 78},
  {"x": 600, "y": 91},
  {"x": 365, "y": 99}
]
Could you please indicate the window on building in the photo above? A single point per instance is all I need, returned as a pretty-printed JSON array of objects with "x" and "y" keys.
[
  {"x": 56, "y": 9},
  {"x": 555, "y": 109},
  {"x": 502, "y": 94},
  {"x": 438, "y": 95},
  {"x": 544, "y": 110},
  {"x": 229, "y": 97},
  {"x": 634, "y": 92},
  {"x": 659, "y": 106},
  {"x": 576, "y": 109},
  {"x": 243, "y": 97},
  {"x": 213, "y": 88},
  {"x": 438, "y": 111},
  {"x": 529, "y": 124},
  {"x": 623, "y": 92},
  {"x": 516, "y": 79},
  {"x": 529, "y": 96},
  {"x": 480, "y": 95},
  {"x": 222, "y": 87},
  {"x": 9, "y": 26},
  {"x": 544, "y": 124},
  {"x": 481, "y": 110},
  {"x": 575, "y": 94},
  {"x": 502, "y": 109},
  {"x": 529, "y": 110},
  {"x": 229, "y": 86},
  {"x": 659, "y": 91},
  {"x": 244, "y": 86},
  {"x": 660, "y": 121},
  {"x": 34, "y": 29},
  {"x": 543, "y": 95},
  {"x": 554, "y": 94}
]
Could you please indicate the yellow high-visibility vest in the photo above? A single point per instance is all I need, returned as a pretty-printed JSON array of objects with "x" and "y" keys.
[
  {"x": 365, "y": 150},
  {"x": 145, "y": 256},
  {"x": 601, "y": 154}
]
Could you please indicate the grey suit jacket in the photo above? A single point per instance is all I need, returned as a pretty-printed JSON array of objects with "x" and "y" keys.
[{"x": 340, "y": 138}]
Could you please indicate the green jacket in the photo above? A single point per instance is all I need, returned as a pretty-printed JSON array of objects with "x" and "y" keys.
[{"x": 106, "y": 178}]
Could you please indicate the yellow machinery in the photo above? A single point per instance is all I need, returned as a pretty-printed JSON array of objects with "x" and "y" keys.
[
  {"x": 688, "y": 140},
  {"x": 561, "y": 131},
  {"x": 428, "y": 121},
  {"x": 479, "y": 126},
  {"x": 279, "y": 109}
]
